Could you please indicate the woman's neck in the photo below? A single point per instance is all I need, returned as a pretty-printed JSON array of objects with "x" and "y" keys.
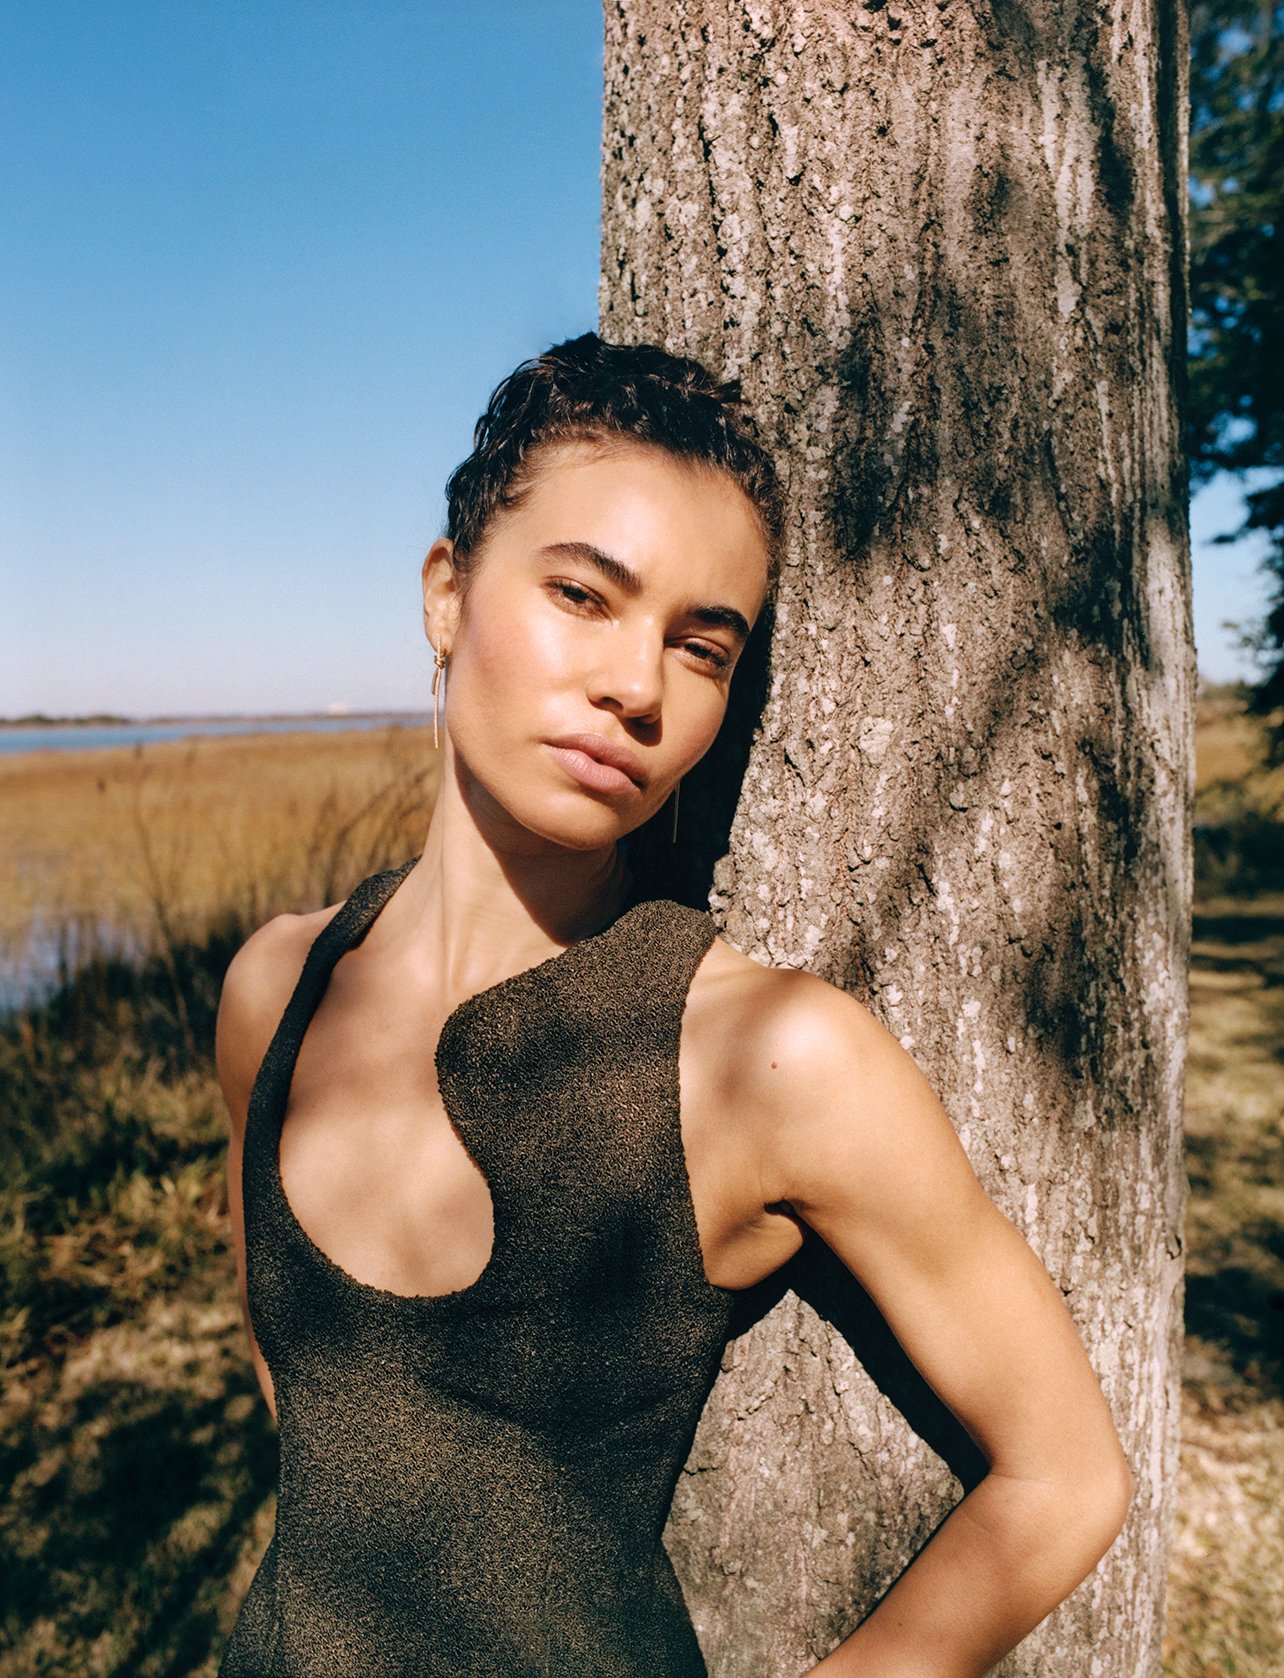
[{"x": 474, "y": 910}]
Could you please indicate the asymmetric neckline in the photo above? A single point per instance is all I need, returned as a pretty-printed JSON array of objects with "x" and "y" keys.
[{"x": 342, "y": 933}]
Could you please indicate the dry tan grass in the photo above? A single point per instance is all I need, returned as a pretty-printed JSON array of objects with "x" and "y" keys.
[
  {"x": 134, "y": 842},
  {"x": 1226, "y": 1579},
  {"x": 1232, "y": 748},
  {"x": 1226, "y": 1584},
  {"x": 140, "y": 1495}
]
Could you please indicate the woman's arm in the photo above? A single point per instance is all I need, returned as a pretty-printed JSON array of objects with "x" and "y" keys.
[
  {"x": 255, "y": 991},
  {"x": 863, "y": 1151}
]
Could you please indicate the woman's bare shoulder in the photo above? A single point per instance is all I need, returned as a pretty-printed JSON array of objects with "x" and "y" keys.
[
  {"x": 828, "y": 1094},
  {"x": 258, "y": 984},
  {"x": 767, "y": 1021}
]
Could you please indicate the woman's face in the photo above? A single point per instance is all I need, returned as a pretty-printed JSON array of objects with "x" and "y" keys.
[{"x": 591, "y": 655}]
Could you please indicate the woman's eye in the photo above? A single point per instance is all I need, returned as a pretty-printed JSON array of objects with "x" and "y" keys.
[
  {"x": 574, "y": 595},
  {"x": 708, "y": 654}
]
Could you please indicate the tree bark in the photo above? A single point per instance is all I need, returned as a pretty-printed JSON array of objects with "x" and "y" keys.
[{"x": 942, "y": 247}]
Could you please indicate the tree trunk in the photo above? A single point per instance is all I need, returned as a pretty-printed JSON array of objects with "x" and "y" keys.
[{"x": 942, "y": 247}]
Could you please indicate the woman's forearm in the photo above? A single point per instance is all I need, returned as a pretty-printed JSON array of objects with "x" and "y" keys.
[{"x": 1005, "y": 1557}]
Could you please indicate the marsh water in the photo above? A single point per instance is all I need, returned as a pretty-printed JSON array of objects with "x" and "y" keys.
[{"x": 83, "y": 737}]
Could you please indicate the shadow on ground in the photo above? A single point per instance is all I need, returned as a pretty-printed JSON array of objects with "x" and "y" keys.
[
  {"x": 1234, "y": 1143},
  {"x": 137, "y": 1476}
]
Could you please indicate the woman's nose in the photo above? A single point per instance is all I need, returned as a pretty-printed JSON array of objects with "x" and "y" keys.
[{"x": 631, "y": 680}]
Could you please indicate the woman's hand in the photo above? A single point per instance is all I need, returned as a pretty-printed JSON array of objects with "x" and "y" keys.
[{"x": 862, "y": 1150}]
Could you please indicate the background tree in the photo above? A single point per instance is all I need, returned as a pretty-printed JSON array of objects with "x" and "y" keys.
[
  {"x": 942, "y": 247},
  {"x": 1237, "y": 279}
]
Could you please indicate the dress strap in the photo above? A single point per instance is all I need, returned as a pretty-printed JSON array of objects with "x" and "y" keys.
[{"x": 341, "y": 933}]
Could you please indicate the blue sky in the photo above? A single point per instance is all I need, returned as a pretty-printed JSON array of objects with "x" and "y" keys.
[{"x": 263, "y": 262}]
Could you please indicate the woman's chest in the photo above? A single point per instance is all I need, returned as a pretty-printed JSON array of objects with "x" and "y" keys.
[
  {"x": 375, "y": 1172},
  {"x": 395, "y": 1180}
]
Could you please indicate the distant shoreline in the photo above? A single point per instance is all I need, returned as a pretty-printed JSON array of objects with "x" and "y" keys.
[
  {"x": 174, "y": 719},
  {"x": 19, "y": 740}
]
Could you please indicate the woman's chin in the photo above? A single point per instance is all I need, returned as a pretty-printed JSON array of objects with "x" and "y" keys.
[
  {"x": 573, "y": 820},
  {"x": 589, "y": 827},
  {"x": 583, "y": 835}
]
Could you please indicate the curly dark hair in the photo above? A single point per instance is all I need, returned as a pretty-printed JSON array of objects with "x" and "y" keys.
[{"x": 588, "y": 390}]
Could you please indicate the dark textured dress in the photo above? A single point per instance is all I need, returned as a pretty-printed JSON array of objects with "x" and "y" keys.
[{"x": 474, "y": 1484}]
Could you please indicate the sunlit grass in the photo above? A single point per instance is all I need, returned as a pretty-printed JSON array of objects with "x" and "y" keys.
[
  {"x": 129, "y": 845},
  {"x": 1239, "y": 802},
  {"x": 1226, "y": 1614}
]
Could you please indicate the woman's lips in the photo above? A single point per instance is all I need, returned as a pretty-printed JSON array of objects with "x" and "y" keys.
[{"x": 598, "y": 765}]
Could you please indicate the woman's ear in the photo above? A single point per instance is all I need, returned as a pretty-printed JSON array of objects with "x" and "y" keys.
[{"x": 441, "y": 595}]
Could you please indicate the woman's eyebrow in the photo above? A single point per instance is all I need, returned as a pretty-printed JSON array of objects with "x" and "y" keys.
[
  {"x": 614, "y": 569},
  {"x": 722, "y": 617},
  {"x": 715, "y": 617}
]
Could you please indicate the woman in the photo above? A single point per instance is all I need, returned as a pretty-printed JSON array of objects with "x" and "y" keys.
[{"x": 517, "y": 1139}]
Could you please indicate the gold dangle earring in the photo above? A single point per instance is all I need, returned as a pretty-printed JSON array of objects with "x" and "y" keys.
[
  {"x": 673, "y": 834},
  {"x": 439, "y": 665}
]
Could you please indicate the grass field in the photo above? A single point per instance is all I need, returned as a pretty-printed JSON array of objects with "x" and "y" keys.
[
  {"x": 139, "y": 1458},
  {"x": 156, "y": 841},
  {"x": 1226, "y": 1614}
]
